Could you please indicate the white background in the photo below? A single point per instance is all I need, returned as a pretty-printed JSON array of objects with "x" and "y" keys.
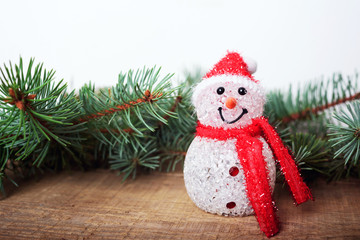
[{"x": 292, "y": 41}]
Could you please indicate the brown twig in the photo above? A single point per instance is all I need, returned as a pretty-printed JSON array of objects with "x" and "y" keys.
[
  {"x": 19, "y": 99},
  {"x": 148, "y": 97},
  {"x": 130, "y": 130},
  {"x": 127, "y": 130},
  {"x": 177, "y": 153},
  {"x": 174, "y": 106},
  {"x": 178, "y": 100},
  {"x": 357, "y": 133},
  {"x": 306, "y": 112}
]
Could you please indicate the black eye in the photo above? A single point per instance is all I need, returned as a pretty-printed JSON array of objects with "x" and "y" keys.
[
  {"x": 220, "y": 90},
  {"x": 242, "y": 91}
]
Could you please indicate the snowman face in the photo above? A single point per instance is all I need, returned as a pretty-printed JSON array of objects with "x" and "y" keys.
[{"x": 228, "y": 101}]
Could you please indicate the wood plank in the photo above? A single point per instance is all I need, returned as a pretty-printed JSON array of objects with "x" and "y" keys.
[{"x": 96, "y": 205}]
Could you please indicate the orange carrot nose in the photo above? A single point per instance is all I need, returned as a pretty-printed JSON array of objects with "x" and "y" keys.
[{"x": 230, "y": 102}]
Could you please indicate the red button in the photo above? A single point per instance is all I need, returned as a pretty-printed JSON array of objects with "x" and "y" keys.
[
  {"x": 233, "y": 171},
  {"x": 230, "y": 205}
]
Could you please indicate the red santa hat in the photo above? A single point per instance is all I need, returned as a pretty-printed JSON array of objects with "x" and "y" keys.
[
  {"x": 233, "y": 64},
  {"x": 231, "y": 68}
]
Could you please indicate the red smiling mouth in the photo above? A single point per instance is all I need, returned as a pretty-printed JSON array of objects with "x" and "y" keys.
[{"x": 245, "y": 111}]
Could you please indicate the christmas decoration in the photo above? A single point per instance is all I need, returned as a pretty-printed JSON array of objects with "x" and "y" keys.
[
  {"x": 229, "y": 168},
  {"x": 142, "y": 123}
]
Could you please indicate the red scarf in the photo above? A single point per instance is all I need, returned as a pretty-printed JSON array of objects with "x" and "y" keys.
[{"x": 249, "y": 149}]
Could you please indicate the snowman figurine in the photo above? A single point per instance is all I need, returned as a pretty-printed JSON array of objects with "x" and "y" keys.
[{"x": 230, "y": 165}]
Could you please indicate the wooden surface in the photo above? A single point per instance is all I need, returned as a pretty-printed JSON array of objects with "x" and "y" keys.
[{"x": 96, "y": 205}]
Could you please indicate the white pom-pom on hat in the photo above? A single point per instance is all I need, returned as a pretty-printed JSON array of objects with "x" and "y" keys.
[{"x": 251, "y": 64}]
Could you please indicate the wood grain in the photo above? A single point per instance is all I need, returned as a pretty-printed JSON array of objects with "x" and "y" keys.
[{"x": 96, "y": 205}]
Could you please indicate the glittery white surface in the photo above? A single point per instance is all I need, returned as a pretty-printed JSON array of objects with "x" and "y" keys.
[
  {"x": 207, "y": 101},
  {"x": 208, "y": 161},
  {"x": 208, "y": 181}
]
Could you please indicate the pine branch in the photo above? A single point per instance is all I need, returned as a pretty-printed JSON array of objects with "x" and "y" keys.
[
  {"x": 172, "y": 151},
  {"x": 35, "y": 110},
  {"x": 174, "y": 139},
  {"x": 305, "y": 114},
  {"x": 36, "y": 114},
  {"x": 116, "y": 110},
  {"x": 143, "y": 123},
  {"x": 312, "y": 100},
  {"x": 130, "y": 162},
  {"x": 178, "y": 100},
  {"x": 345, "y": 137},
  {"x": 312, "y": 154}
]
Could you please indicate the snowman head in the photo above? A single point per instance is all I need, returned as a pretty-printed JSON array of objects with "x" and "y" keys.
[{"x": 228, "y": 96}]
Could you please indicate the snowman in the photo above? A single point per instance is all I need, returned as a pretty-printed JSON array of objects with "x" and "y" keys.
[{"x": 230, "y": 165}]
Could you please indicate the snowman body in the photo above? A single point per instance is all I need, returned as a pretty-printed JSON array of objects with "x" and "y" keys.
[
  {"x": 228, "y": 98},
  {"x": 214, "y": 177},
  {"x": 229, "y": 167}
]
